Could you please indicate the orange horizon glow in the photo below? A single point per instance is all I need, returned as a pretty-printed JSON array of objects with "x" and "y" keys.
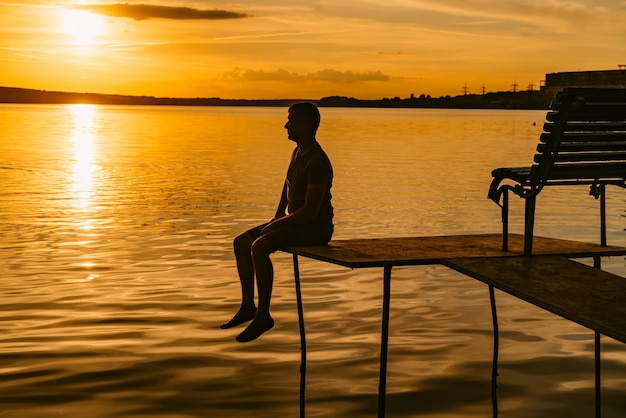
[{"x": 269, "y": 51}]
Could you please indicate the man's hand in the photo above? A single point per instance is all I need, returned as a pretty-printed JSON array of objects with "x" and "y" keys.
[
  {"x": 307, "y": 213},
  {"x": 269, "y": 227}
]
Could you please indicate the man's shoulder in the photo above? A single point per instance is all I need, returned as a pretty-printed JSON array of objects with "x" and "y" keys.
[
  {"x": 318, "y": 154},
  {"x": 319, "y": 150}
]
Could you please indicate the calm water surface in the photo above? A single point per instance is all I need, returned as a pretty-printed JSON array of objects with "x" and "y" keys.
[{"x": 116, "y": 268}]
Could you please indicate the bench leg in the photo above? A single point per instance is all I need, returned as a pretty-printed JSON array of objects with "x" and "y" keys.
[
  {"x": 505, "y": 220},
  {"x": 529, "y": 224},
  {"x": 597, "y": 263},
  {"x": 598, "y": 378},
  {"x": 496, "y": 346},
  {"x": 384, "y": 340},
  {"x": 296, "y": 274},
  {"x": 603, "y": 215}
]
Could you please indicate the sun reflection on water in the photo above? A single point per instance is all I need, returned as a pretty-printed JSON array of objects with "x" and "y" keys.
[
  {"x": 82, "y": 184},
  {"x": 84, "y": 153}
]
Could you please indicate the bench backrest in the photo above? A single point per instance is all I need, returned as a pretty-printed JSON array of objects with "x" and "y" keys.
[{"x": 584, "y": 137}]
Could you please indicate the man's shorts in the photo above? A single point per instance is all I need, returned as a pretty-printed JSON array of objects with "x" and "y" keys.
[{"x": 295, "y": 235}]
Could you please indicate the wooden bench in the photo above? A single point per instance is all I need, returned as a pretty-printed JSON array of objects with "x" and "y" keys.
[{"x": 584, "y": 142}]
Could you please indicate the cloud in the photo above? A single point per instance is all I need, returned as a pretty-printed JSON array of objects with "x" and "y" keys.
[
  {"x": 329, "y": 75},
  {"x": 590, "y": 18},
  {"x": 260, "y": 75},
  {"x": 148, "y": 11},
  {"x": 567, "y": 16},
  {"x": 348, "y": 76}
]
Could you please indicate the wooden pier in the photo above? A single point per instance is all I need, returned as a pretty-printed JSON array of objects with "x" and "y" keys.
[{"x": 549, "y": 279}]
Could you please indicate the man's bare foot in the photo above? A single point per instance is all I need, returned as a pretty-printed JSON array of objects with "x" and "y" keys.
[
  {"x": 245, "y": 313},
  {"x": 262, "y": 322}
]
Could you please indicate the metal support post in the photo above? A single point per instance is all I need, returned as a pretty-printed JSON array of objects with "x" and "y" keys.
[
  {"x": 384, "y": 343},
  {"x": 529, "y": 223},
  {"x": 505, "y": 220},
  {"x": 603, "y": 214},
  {"x": 598, "y": 377},
  {"x": 296, "y": 272},
  {"x": 496, "y": 346}
]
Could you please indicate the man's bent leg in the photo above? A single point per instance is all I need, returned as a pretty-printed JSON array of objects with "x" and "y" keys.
[
  {"x": 262, "y": 248},
  {"x": 242, "y": 246}
]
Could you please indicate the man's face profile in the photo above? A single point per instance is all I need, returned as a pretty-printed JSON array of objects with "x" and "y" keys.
[{"x": 295, "y": 126}]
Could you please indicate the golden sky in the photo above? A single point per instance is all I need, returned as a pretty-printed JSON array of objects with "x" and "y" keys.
[{"x": 304, "y": 49}]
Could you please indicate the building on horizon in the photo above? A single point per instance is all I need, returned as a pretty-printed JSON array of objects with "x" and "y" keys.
[{"x": 603, "y": 78}]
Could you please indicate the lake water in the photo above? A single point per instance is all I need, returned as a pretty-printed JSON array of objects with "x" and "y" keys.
[{"x": 116, "y": 226}]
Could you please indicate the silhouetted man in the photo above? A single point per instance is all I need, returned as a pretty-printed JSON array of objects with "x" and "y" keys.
[{"x": 304, "y": 217}]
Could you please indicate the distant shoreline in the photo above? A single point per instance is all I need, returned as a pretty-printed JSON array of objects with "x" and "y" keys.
[{"x": 500, "y": 100}]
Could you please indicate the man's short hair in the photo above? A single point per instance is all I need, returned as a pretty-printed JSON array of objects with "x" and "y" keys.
[{"x": 309, "y": 112}]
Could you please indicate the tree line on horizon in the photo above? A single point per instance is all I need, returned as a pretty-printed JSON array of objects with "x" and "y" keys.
[{"x": 498, "y": 100}]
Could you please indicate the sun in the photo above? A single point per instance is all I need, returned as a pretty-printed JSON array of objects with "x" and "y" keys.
[{"x": 83, "y": 27}]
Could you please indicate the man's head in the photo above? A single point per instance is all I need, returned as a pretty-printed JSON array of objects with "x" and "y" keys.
[{"x": 304, "y": 119}]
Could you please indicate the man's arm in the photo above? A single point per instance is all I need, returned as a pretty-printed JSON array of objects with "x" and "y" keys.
[
  {"x": 312, "y": 203},
  {"x": 282, "y": 205}
]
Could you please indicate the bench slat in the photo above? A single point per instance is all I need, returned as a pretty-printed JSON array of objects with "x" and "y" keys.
[
  {"x": 523, "y": 175},
  {"x": 590, "y": 136},
  {"x": 607, "y": 170},
  {"x": 595, "y": 126},
  {"x": 592, "y": 92},
  {"x": 583, "y": 156},
  {"x": 605, "y": 113},
  {"x": 581, "y": 137},
  {"x": 588, "y": 101},
  {"x": 586, "y": 147}
]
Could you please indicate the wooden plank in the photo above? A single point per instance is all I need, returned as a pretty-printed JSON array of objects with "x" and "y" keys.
[
  {"x": 590, "y": 297},
  {"x": 587, "y": 126},
  {"x": 584, "y": 158},
  {"x": 603, "y": 112},
  {"x": 604, "y": 146},
  {"x": 601, "y": 171},
  {"x": 380, "y": 252},
  {"x": 591, "y": 94}
]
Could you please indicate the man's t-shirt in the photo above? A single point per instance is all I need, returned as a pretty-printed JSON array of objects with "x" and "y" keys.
[{"x": 312, "y": 167}]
